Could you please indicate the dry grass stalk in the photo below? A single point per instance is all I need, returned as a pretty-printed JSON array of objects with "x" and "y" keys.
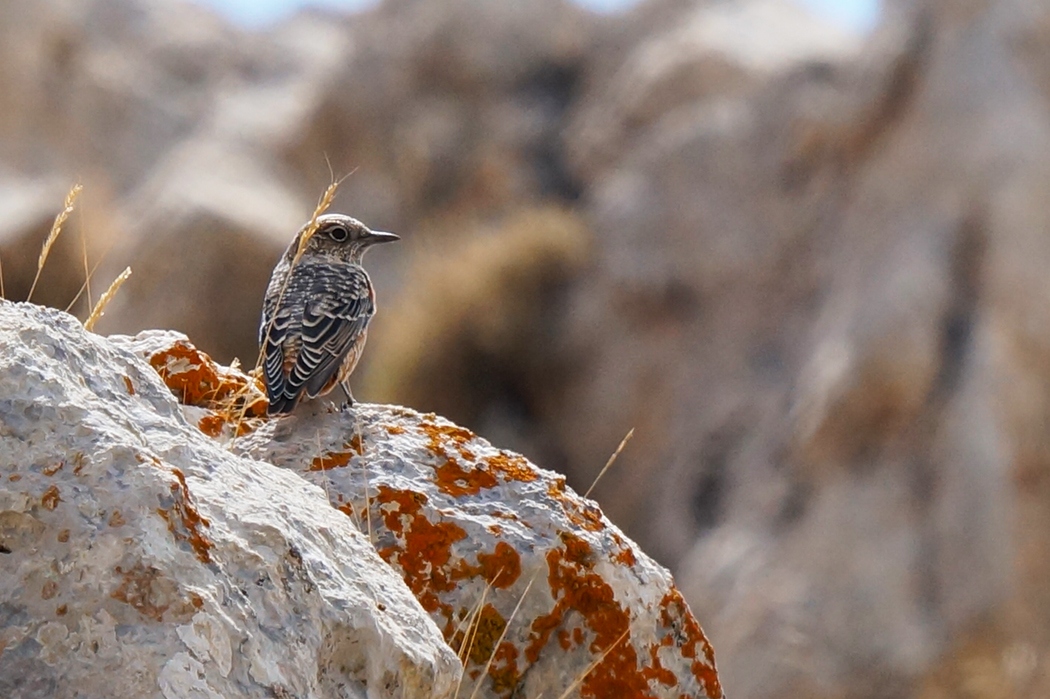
[
  {"x": 503, "y": 635},
  {"x": 87, "y": 270},
  {"x": 597, "y": 661},
  {"x": 84, "y": 286},
  {"x": 322, "y": 206},
  {"x": 52, "y": 236},
  {"x": 3, "y": 294},
  {"x": 105, "y": 298},
  {"x": 623, "y": 443}
]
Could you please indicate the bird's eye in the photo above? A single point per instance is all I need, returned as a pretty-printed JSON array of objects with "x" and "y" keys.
[{"x": 338, "y": 233}]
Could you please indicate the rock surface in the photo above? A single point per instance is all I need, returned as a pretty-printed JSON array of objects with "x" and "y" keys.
[
  {"x": 141, "y": 559},
  {"x": 142, "y": 554},
  {"x": 534, "y": 587}
]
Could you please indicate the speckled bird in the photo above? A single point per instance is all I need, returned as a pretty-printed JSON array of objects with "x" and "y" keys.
[{"x": 316, "y": 312}]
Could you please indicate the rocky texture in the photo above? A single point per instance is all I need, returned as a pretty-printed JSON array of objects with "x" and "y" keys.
[
  {"x": 537, "y": 591},
  {"x": 141, "y": 559}
]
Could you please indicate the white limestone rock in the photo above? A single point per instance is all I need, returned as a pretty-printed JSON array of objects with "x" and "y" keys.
[{"x": 138, "y": 558}]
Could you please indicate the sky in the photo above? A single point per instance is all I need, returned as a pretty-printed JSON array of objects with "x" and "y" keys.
[{"x": 861, "y": 15}]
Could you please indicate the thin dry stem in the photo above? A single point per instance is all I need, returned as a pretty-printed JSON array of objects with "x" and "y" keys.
[
  {"x": 311, "y": 228},
  {"x": 503, "y": 635},
  {"x": 105, "y": 298},
  {"x": 3, "y": 294},
  {"x": 364, "y": 469},
  {"x": 596, "y": 663},
  {"x": 84, "y": 254},
  {"x": 612, "y": 459},
  {"x": 52, "y": 236},
  {"x": 470, "y": 634},
  {"x": 90, "y": 274}
]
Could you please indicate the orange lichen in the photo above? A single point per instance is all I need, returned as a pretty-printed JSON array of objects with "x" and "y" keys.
[
  {"x": 424, "y": 548},
  {"x": 656, "y": 672},
  {"x": 53, "y": 468},
  {"x": 128, "y": 385},
  {"x": 577, "y": 588},
  {"x": 196, "y": 379},
  {"x": 211, "y": 425},
  {"x": 78, "y": 463},
  {"x": 486, "y": 630},
  {"x": 502, "y": 567},
  {"x": 504, "y": 669},
  {"x": 337, "y": 459},
  {"x": 453, "y": 479},
  {"x": 511, "y": 466},
  {"x": 51, "y": 498},
  {"x": 442, "y": 436},
  {"x": 184, "y": 521},
  {"x": 395, "y": 429},
  {"x": 687, "y": 635},
  {"x": 583, "y": 513}
]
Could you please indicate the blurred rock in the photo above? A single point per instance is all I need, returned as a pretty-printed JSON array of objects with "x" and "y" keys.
[
  {"x": 203, "y": 236},
  {"x": 476, "y": 332}
]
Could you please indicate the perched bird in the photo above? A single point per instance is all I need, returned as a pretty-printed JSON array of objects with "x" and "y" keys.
[{"x": 316, "y": 312}]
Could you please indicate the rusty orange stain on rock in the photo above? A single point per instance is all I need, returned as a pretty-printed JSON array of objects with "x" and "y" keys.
[
  {"x": 184, "y": 521},
  {"x": 63, "y": 536},
  {"x": 577, "y": 588},
  {"x": 504, "y": 669},
  {"x": 439, "y": 435},
  {"x": 117, "y": 519},
  {"x": 675, "y": 616},
  {"x": 51, "y": 498},
  {"x": 211, "y": 424},
  {"x": 424, "y": 548},
  {"x": 53, "y": 468},
  {"x": 583, "y": 513},
  {"x": 337, "y": 459},
  {"x": 502, "y": 567},
  {"x": 395, "y": 429},
  {"x": 484, "y": 633},
  {"x": 128, "y": 385},
  {"x": 456, "y": 481},
  {"x": 512, "y": 466},
  {"x": 196, "y": 379}
]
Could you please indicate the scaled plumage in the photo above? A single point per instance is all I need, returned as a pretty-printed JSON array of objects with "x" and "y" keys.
[{"x": 316, "y": 312}]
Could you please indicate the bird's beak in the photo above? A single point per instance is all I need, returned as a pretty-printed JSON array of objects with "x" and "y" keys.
[{"x": 381, "y": 237}]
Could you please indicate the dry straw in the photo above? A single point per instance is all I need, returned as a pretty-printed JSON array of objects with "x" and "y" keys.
[
  {"x": 56, "y": 228},
  {"x": 611, "y": 461},
  {"x": 105, "y": 298}
]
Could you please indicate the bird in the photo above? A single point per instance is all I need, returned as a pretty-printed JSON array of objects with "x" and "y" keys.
[{"x": 316, "y": 312}]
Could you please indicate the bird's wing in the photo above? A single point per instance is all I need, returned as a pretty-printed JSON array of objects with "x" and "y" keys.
[{"x": 326, "y": 308}]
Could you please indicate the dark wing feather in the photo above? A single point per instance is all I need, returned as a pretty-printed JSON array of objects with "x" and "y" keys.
[{"x": 325, "y": 309}]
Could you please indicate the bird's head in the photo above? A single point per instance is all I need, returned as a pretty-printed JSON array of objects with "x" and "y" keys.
[{"x": 341, "y": 237}]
